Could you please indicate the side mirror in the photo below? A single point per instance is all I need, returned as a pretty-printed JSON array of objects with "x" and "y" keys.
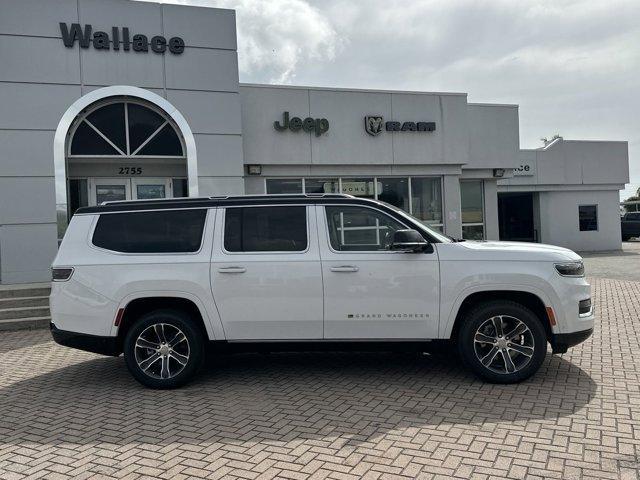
[{"x": 409, "y": 241}]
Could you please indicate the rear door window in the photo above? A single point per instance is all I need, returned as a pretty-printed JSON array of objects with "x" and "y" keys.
[
  {"x": 265, "y": 229},
  {"x": 166, "y": 231}
]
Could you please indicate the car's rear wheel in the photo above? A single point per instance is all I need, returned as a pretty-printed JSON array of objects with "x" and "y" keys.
[
  {"x": 502, "y": 342},
  {"x": 163, "y": 349}
]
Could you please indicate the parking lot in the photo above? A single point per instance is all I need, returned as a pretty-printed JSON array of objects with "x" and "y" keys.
[{"x": 69, "y": 414}]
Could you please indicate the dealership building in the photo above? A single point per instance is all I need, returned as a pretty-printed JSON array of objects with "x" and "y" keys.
[{"x": 114, "y": 99}]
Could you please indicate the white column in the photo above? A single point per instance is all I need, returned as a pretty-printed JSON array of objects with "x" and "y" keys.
[
  {"x": 451, "y": 195},
  {"x": 491, "y": 229}
]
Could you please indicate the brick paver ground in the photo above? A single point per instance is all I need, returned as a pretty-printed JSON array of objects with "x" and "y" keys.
[{"x": 69, "y": 414}]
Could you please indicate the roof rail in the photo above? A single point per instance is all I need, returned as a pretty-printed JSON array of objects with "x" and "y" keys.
[{"x": 283, "y": 195}]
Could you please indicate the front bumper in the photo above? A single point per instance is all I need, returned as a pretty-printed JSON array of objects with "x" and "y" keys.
[
  {"x": 86, "y": 342},
  {"x": 561, "y": 342}
]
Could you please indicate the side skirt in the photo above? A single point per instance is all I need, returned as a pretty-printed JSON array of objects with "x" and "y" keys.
[{"x": 431, "y": 346}]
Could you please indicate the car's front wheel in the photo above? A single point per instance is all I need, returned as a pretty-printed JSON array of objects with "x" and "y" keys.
[
  {"x": 163, "y": 349},
  {"x": 502, "y": 342}
]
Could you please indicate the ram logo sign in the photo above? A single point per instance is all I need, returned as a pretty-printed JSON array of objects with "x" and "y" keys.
[{"x": 373, "y": 125}]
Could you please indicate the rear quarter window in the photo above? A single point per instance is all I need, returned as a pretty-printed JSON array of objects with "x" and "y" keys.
[{"x": 168, "y": 231}]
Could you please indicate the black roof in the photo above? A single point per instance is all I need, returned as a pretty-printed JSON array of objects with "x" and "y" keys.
[{"x": 208, "y": 202}]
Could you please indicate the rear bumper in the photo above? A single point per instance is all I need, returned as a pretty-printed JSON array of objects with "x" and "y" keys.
[
  {"x": 86, "y": 342},
  {"x": 561, "y": 342}
]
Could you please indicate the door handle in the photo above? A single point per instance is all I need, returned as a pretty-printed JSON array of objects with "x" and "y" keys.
[
  {"x": 345, "y": 268},
  {"x": 232, "y": 269}
]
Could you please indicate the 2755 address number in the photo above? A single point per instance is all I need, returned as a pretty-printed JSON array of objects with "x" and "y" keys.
[{"x": 130, "y": 171}]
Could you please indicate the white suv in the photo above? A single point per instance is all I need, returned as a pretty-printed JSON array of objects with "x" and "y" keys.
[{"x": 160, "y": 280}]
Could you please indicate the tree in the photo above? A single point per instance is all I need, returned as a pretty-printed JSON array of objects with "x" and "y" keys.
[
  {"x": 547, "y": 141},
  {"x": 634, "y": 198}
]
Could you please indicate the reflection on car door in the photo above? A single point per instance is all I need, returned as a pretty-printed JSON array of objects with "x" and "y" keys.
[
  {"x": 265, "y": 273},
  {"x": 371, "y": 292}
]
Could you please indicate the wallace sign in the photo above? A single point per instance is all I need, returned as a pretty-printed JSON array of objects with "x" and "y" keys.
[{"x": 120, "y": 37}]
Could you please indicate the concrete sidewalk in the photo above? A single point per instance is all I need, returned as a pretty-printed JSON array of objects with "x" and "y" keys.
[{"x": 620, "y": 264}]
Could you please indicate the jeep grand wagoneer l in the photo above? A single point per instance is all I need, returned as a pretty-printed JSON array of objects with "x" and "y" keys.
[{"x": 160, "y": 280}]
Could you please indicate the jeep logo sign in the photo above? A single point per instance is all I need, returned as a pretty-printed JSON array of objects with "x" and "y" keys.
[
  {"x": 295, "y": 124},
  {"x": 119, "y": 37}
]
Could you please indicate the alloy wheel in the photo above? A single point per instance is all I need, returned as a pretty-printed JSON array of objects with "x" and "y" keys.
[
  {"x": 162, "y": 351},
  {"x": 504, "y": 344}
]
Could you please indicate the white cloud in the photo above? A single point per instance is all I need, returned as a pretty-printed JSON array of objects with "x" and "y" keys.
[
  {"x": 277, "y": 37},
  {"x": 572, "y": 65}
]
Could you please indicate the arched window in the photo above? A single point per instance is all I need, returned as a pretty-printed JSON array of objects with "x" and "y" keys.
[{"x": 125, "y": 129}]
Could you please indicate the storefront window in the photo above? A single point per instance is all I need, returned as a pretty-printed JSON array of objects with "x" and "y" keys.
[
  {"x": 419, "y": 196},
  {"x": 359, "y": 187},
  {"x": 321, "y": 185},
  {"x": 472, "y": 209},
  {"x": 394, "y": 190},
  {"x": 284, "y": 185},
  {"x": 426, "y": 200}
]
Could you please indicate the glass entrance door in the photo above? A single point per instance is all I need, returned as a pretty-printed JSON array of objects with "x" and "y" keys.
[
  {"x": 109, "y": 190},
  {"x": 117, "y": 189},
  {"x": 150, "y": 188}
]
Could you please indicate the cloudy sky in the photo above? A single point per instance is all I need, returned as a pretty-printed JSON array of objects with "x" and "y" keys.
[{"x": 573, "y": 66}]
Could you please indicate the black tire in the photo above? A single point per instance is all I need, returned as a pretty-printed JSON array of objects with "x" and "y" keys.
[
  {"x": 481, "y": 321},
  {"x": 156, "y": 326}
]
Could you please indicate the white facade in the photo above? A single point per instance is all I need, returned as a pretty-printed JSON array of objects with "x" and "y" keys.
[
  {"x": 447, "y": 175},
  {"x": 567, "y": 174}
]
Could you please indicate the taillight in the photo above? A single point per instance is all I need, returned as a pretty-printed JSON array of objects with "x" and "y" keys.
[{"x": 61, "y": 274}]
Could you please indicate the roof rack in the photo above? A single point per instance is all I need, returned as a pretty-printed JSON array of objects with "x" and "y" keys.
[
  {"x": 207, "y": 202},
  {"x": 229, "y": 197},
  {"x": 282, "y": 195}
]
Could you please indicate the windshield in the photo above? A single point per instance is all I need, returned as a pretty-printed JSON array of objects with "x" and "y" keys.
[{"x": 441, "y": 237}]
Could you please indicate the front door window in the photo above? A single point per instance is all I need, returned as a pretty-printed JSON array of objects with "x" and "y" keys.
[{"x": 360, "y": 228}]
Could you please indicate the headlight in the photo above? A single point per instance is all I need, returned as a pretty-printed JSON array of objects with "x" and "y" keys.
[{"x": 570, "y": 269}]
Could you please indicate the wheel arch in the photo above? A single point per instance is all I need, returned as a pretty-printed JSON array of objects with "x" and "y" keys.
[
  {"x": 134, "y": 308},
  {"x": 532, "y": 300}
]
